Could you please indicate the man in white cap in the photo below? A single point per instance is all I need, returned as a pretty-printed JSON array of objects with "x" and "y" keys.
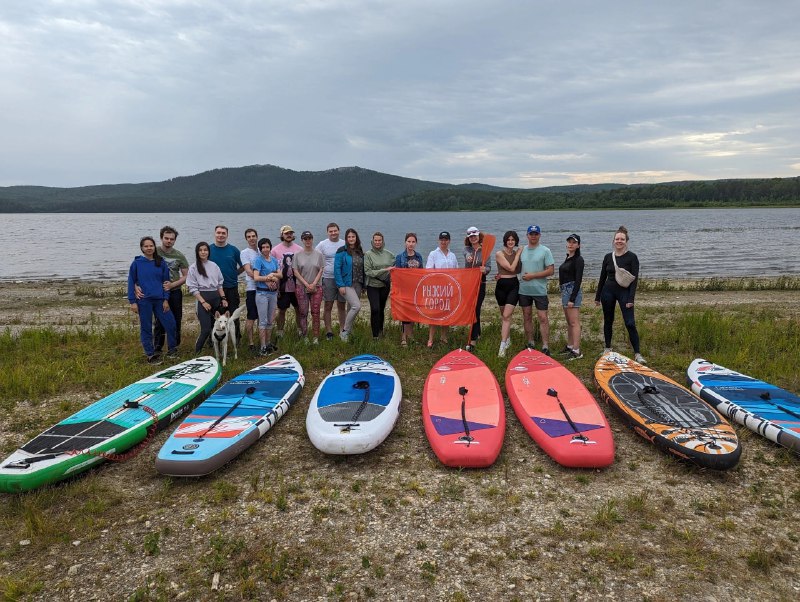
[
  {"x": 537, "y": 264},
  {"x": 284, "y": 252}
]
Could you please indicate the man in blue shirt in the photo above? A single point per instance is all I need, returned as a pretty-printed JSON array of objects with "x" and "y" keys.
[
  {"x": 229, "y": 260},
  {"x": 537, "y": 264}
]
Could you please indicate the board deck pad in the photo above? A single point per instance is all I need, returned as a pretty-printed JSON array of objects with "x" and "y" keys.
[
  {"x": 667, "y": 414},
  {"x": 355, "y": 407},
  {"x": 558, "y": 412},
  {"x": 770, "y": 411},
  {"x": 109, "y": 426},
  {"x": 463, "y": 411},
  {"x": 232, "y": 419}
]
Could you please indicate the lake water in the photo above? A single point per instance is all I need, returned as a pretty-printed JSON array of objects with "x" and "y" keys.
[{"x": 673, "y": 243}]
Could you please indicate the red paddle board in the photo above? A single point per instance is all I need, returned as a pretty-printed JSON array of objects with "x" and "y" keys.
[
  {"x": 558, "y": 412},
  {"x": 463, "y": 411}
]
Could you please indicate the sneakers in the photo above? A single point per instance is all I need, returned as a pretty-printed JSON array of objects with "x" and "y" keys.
[
  {"x": 531, "y": 345},
  {"x": 638, "y": 358},
  {"x": 607, "y": 350},
  {"x": 315, "y": 341},
  {"x": 546, "y": 351},
  {"x": 329, "y": 335},
  {"x": 575, "y": 354},
  {"x": 263, "y": 351},
  {"x": 504, "y": 345},
  {"x": 172, "y": 354},
  {"x": 469, "y": 348},
  {"x": 567, "y": 350},
  {"x": 154, "y": 360},
  {"x": 344, "y": 335}
]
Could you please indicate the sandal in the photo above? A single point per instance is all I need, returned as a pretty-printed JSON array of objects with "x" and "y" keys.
[
  {"x": 430, "y": 344},
  {"x": 404, "y": 343}
]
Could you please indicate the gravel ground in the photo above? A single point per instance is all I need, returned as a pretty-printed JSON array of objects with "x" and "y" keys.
[{"x": 285, "y": 522}]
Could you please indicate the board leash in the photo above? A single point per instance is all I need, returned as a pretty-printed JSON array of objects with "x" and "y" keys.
[
  {"x": 361, "y": 384},
  {"x": 579, "y": 436},
  {"x": 466, "y": 437},
  {"x": 249, "y": 391}
]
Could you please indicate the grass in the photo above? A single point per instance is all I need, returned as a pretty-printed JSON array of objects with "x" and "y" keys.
[{"x": 286, "y": 522}]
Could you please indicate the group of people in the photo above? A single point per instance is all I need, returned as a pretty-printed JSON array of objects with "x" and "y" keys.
[{"x": 311, "y": 279}]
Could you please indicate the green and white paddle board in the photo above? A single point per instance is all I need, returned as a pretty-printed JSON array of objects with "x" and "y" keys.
[{"x": 109, "y": 426}]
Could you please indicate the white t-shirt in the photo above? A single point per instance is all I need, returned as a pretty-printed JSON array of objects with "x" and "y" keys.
[
  {"x": 328, "y": 249},
  {"x": 248, "y": 256},
  {"x": 437, "y": 259}
]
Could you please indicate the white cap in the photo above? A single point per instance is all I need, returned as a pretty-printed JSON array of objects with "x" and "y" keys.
[{"x": 472, "y": 230}]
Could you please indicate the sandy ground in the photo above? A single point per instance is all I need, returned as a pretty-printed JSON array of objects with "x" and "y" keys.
[{"x": 286, "y": 522}]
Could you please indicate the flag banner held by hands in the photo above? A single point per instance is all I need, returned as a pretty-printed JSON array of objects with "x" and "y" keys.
[{"x": 445, "y": 297}]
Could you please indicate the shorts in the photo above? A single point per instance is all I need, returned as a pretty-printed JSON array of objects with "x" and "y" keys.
[
  {"x": 330, "y": 292},
  {"x": 540, "y": 301},
  {"x": 286, "y": 299},
  {"x": 506, "y": 291},
  {"x": 566, "y": 293},
  {"x": 250, "y": 303}
]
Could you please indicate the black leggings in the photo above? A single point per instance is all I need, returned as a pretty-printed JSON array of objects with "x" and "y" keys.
[
  {"x": 206, "y": 318},
  {"x": 377, "y": 307},
  {"x": 609, "y": 297},
  {"x": 476, "y": 327}
]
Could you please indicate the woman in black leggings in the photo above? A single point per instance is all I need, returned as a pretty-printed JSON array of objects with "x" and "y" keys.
[{"x": 609, "y": 293}]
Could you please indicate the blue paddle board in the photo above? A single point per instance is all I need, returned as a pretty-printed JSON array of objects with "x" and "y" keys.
[
  {"x": 237, "y": 415},
  {"x": 355, "y": 407},
  {"x": 768, "y": 410}
]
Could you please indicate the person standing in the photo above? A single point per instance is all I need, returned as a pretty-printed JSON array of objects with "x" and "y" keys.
[
  {"x": 506, "y": 290},
  {"x": 610, "y": 292},
  {"x": 474, "y": 258},
  {"x": 537, "y": 264},
  {"x": 570, "y": 278},
  {"x": 149, "y": 272},
  {"x": 267, "y": 274},
  {"x": 330, "y": 291},
  {"x": 348, "y": 271},
  {"x": 409, "y": 258},
  {"x": 247, "y": 256},
  {"x": 285, "y": 252},
  {"x": 178, "y": 268},
  {"x": 308, "y": 266},
  {"x": 204, "y": 282},
  {"x": 229, "y": 260},
  {"x": 377, "y": 266},
  {"x": 441, "y": 258}
]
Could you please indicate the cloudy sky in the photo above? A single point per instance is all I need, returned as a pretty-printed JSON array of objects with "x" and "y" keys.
[{"x": 506, "y": 92}]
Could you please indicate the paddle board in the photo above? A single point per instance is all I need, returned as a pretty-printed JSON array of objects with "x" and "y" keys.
[
  {"x": 109, "y": 426},
  {"x": 668, "y": 415},
  {"x": 355, "y": 407},
  {"x": 463, "y": 411},
  {"x": 558, "y": 412},
  {"x": 232, "y": 419},
  {"x": 768, "y": 410}
]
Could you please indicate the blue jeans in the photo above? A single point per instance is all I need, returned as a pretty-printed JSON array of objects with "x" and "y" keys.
[
  {"x": 609, "y": 297},
  {"x": 147, "y": 309}
]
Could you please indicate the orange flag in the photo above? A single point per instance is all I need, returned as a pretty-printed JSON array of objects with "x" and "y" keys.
[{"x": 444, "y": 297}]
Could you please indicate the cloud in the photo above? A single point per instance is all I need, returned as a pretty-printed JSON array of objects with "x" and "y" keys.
[{"x": 115, "y": 90}]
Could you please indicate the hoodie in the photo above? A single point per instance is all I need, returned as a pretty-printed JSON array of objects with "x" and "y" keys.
[
  {"x": 375, "y": 264},
  {"x": 149, "y": 277}
]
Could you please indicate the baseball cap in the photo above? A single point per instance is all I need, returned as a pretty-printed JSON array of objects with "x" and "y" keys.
[
  {"x": 472, "y": 230},
  {"x": 534, "y": 230},
  {"x": 285, "y": 229},
  {"x": 575, "y": 237},
  {"x": 306, "y": 234},
  {"x": 444, "y": 235}
]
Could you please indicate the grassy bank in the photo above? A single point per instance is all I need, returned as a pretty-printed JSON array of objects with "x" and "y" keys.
[{"x": 286, "y": 522}]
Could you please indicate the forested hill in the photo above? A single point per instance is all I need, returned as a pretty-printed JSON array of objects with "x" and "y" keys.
[
  {"x": 266, "y": 188},
  {"x": 776, "y": 192},
  {"x": 252, "y": 188}
]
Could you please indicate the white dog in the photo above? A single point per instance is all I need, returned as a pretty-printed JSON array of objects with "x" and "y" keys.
[{"x": 224, "y": 329}]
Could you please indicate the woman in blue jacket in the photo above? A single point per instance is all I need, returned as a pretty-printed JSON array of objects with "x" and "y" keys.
[
  {"x": 348, "y": 271},
  {"x": 150, "y": 272}
]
